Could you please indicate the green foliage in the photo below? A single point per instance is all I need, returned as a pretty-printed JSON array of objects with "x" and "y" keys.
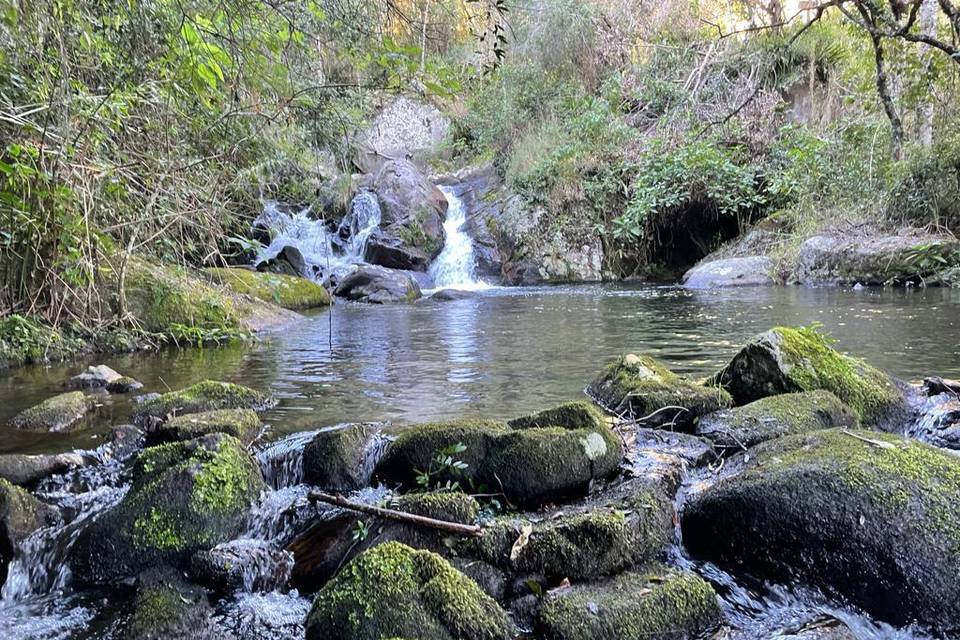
[
  {"x": 929, "y": 190},
  {"x": 444, "y": 467}
]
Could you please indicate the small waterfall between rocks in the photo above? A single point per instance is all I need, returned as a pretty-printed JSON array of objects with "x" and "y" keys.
[
  {"x": 455, "y": 267},
  {"x": 324, "y": 251}
]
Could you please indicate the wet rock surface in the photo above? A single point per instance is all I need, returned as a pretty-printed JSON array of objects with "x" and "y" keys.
[
  {"x": 202, "y": 397},
  {"x": 59, "y": 413},
  {"x": 378, "y": 285},
  {"x": 251, "y": 565},
  {"x": 749, "y": 271},
  {"x": 243, "y": 424}
]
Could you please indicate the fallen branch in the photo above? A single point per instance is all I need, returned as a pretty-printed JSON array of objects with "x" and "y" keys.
[
  {"x": 936, "y": 385},
  {"x": 399, "y": 516}
]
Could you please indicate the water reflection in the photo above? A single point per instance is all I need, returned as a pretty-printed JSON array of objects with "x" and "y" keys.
[{"x": 512, "y": 350}]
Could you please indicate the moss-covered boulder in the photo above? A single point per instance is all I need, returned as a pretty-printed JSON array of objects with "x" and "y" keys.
[
  {"x": 393, "y": 590},
  {"x": 453, "y": 506},
  {"x": 242, "y": 424},
  {"x": 20, "y": 515},
  {"x": 776, "y": 416},
  {"x": 789, "y": 360},
  {"x": 641, "y": 387},
  {"x": 578, "y": 546},
  {"x": 571, "y": 415},
  {"x": 530, "y": 465},
  {"x": 334, "y": 458},
  {"x": 185, "y": 496},
  {"x": 289, "y": 292},
  {"x": 658, "y": 604},
  {"x": 59, "y": 413},
  {"x": 869, "y": 516},
  {"x": 208, "y": 395},
  {"x": 166, "y": 606}
]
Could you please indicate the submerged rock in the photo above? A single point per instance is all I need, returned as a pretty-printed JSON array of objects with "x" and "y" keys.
[
  {"x": 776, "y": 416},
  {"x": 749, "y": 271},
  {"x": 788, "y": 360},
  {"x": 204, "y": 396},
  {"x": 243, "y": 424},
  {"x": 123, "y": 384},
  {"x": 659, "y": 604},
  {"x": 868, "y": 516},
  {"x": 639, "y": 386},
  {"x": 378, "y": 285},
  {"x": 94, "y": 377},
  {"x": 20, "y": 515},
  {"x": 252, "y": 565},
  {"x": 530, "y": 465},
  {"x": 185, "y": 497},
  {"x": 393, "y": 591},
  {"x": 290, "y": 292},
  {"x": 59, "y": 413},
  {"x": 165, "y": 606},
  {"x": 449, "y": 295}
]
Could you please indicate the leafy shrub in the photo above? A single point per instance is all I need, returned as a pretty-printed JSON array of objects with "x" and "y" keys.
[{"x": 929, "y": 191}]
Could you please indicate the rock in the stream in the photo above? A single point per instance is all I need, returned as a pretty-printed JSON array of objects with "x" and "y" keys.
[
  {"x": 94, "y": 377},
  {"x": 749, "y": 271},
  {"x": 252, "y": 565},
  {"x": 658, "y": 604},
  {"x": 243, "y": 424},
  {"x": 870, "y": 260},
  {"x": 289, "y": 262},
  {"x": 20, "y": 515},
  {"x": 939, "y": 422},
  {"x": 185, "y": 497},
  {"x": 788, "y": 360},
  {"x": 776, "y": 416},
  {"x": 530, "y": 465},
  {"x": 166, "y": 607},
  {"x": 59, "y": 413},
  {"x": 378, "y": 285},
  {"x": 27, "y": 470},
  {"x": 449, "y": 295},
  {"x": 204, "y": 396},
  {"x": 123, "y": 384},
  {"x": 393, "y": 591},
  {"x": 640, "y": 386},
  {"x": 290, "y": 292},
  {"x": 334, "y": 458},
  {"x": 869, "y": 516}
]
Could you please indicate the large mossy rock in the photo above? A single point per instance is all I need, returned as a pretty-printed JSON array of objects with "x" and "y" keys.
[
  {"x": 165, "y": 606},
  {"x": 788, "y": 360},
  {"x": 393, "y": 591},
  {"x": 20, "y": 515},
  {"x": 289, "y": 292},
  {"x": 869, "y": 516},
  {"x": 334, "y": 458},
  {"x": 639, "y": 386},
  {"x": 243, "y": 424},
  {"x": 663, "y": 604},
  {"x": 59, "y": 413},
  {"x": 531, "y": 464},
  {"x": 185, "y": 496},
  {"x": 202, "y": 397},
  {"x": 776, "y": 416}
]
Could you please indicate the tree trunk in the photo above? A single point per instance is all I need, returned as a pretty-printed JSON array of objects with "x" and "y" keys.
[
  {"x": 889, "y": 106},
  {"x": 928, "y": 27}
]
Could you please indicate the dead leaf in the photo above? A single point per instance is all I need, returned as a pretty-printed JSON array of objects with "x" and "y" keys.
[{"x": 521, "y": 542}]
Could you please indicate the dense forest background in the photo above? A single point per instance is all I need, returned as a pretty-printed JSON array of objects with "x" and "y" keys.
[{"x": 156, "y": 128}]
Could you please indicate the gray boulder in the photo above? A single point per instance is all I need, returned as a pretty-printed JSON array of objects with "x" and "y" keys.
[
  {"x": 748, "y": 271},
  {"x": 59, "y": 413},
  {"x": 405, "y": 128},
  {"x": 378, "y": 285}
]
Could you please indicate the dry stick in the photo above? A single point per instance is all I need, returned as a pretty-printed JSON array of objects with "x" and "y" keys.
[{"x": 400, "y": 516}]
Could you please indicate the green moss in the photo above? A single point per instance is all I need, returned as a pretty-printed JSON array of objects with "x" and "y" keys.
[
  {"x": 393, "y": 590},
  {"x": 577, "y": 546},
  {"x": 664, "y": 605},
  {"x": 58, "y": 413},
  {"x": 158, "y": 530},
  {"x": 153, "y": 609},
  {"x": 333, "y": 459},
  {"x": 814, "y": 364},
  {"x": 204, "y": 396},
  {"x": 20, "y": 515},
  {"x": 243, "y": 424},
  {"x": 24, "y": 340},
  {"x": 453, "y": 506},
  {"x": 776, "y": 416},
  {"x": 289, "y": 292},
  {"x": 640, "y": 386},
  {"x": 226, "y": 480},
  {"x": 572, "y": 415}
]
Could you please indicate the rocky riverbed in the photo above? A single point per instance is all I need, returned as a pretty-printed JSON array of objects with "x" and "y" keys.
[{"x": 797, "y": 493}]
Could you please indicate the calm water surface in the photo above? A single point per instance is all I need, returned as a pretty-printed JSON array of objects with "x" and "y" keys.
[{"x": 509, "y": 350}]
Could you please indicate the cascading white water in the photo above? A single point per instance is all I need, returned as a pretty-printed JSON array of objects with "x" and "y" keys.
[
  {"x": 324, "y": 252},
  {"x": 455, "y": 267}
]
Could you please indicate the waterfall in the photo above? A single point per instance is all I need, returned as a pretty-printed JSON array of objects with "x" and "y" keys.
[
  {"x": 455, "y": 267},
  {"x": 324, "y": 251}
]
